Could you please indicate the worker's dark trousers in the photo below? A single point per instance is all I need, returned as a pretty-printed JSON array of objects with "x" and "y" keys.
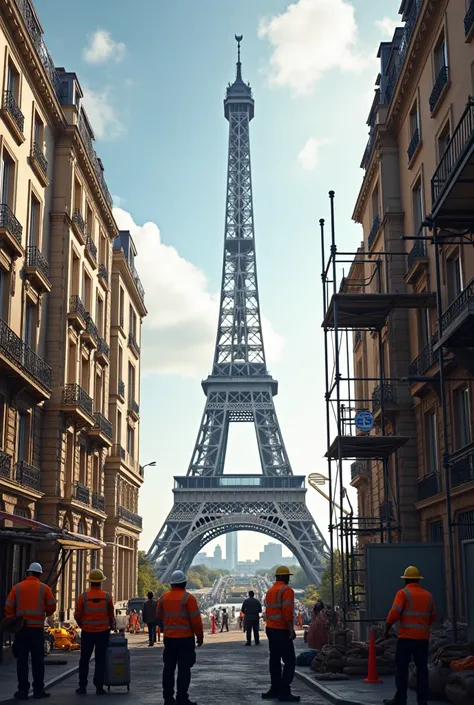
[
  {"x": 252, "y": 625},
  {"x": 89, "y": 641},
  {"x": 30, "y": 640},
  {"x": 406, "y": 648},
  {"x": 281, "y": 649},
  {"x": 225, "y": 625},
  {"x": 180, "y": 653},
  {"x": 151, "y": 633}
]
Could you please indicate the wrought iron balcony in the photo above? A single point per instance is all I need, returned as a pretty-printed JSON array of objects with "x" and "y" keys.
[
  {"x": 22, "y": 356},
  {"x": 411, "y": 18},
  {"x": 11, "y": 109},
  {"x": 388, "y": 396},
  {"x": 27, "y": 475},
  {"x": 79, "y": 222},
  {"x": 36, "y": 34},
  {"x": 98, "y": 501},
  {"x": 438, "y": 88},
  {"x": 357, "y": 338},
  {"x": 77, "y": 312},
  {"x": 103, "y": 273},
  {"x": 374, "y": 231},
  {"x": 39, "y": 163},
  {"x": 121, "y": 388},
  {"x": 5, "y": 464},
  {"x": 95, "y": 161},
  {"x": 129, "y": 516},
  {"x": 458, "y": 320},
  {"x": 462, "y": 466},
  {"x": 133, "y": 409},
  {"x": 469, "y": 20},
  {"x": 74, "y": 395},
  {"x": 133, "y": 343},
  {"x": 91, "y": 249},
  {"x": 91, "y": 332},
  {"x": 417, "y": 252},
  {"x": 103, "y": 350},
  {"x": 82, "y": 493},
  {"x": 459, "y": 145},
  {"x": 422, "y": 362},
  {"x": 103, "y": 425},
  {"x": 360, "y": 467},
  {"x": 369, "y": 149},
  {"x": 428, "y": 486},
  {"x": 117, "y": 451},
  {"x": 121, "y": 322},
  {"x": 37, "y": 268},
  {"x": 9, "y": 226},
  {"x": 414, "y": 144}
]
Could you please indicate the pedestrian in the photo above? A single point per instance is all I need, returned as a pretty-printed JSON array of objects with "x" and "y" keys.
[
  {"x": 178, "y": 615},
  {"x": 28, "y": 603},
  {"x": 225, "y": 620},
  {"x": 280, "y": 615},
  {"x": 318, "y": 633},
  {"x": 299, "y": 620},
  {"x": 414, "y": 609},
  {"x": 95, "y": 615},
  {"x": 149, "y": 617},
  {"x": 252, "y": 609},
  {"x": 241, "y": 620}
]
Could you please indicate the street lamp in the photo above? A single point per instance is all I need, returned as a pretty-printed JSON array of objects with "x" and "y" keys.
[{"x": 147, "y": 465}]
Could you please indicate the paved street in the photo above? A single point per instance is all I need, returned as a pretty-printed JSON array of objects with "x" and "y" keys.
[{"x": 226, "y": 670}]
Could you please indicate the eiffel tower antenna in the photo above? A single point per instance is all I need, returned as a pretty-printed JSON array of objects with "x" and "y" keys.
[{"x": 239, "y": 389}]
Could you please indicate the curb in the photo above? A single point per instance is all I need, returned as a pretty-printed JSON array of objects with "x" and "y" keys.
[{"x": 324, "y": 691}]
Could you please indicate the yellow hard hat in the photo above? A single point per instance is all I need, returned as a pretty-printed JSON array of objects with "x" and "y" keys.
[
  {"x": 96, "y": 576},
  {"x": 412, "y": 573},
  {"x": 283, "y": 570}
]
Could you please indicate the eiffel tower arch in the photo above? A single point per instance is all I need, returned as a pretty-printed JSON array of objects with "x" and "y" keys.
[{"x": 240, "y": 389}]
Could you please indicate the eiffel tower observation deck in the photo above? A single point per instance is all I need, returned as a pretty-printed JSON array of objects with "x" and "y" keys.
[{"x": 240, "y": 389}]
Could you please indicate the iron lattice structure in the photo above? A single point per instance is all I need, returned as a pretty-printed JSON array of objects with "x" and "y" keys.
[{"x": 240, "y": 389}]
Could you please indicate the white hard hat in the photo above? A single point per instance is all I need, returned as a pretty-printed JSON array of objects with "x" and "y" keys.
[
  {"x": 178, "y": 577},
  {"x": 35, "y": 568}
]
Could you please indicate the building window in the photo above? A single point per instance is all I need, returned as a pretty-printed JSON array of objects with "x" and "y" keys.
[
  {"x": 34, "y": 225},
  {"x": 431, "y": 442},
  {"x": 82, "y": 465},
  {"x": 90, "y": 221},
  {"x": 87, "y": 291},
  {"x": 99, "y": 315},
  {"x": 130, "y": 441},
  {"x": 462, "y": 417},
  {"x": 38, "y": 132},
  {"x": 453, "y": 277},
  {"x": 2, "y": 419},
  {"x": 132, "y": 322},
  {"x": 436, "y": 533},
  {"x": 131, "y": 382},
  {"x": 2, "y": 293},
  {"x": 13, "y": 82},
  {"x": 7, "y": 179},
  {"x": 424, "y": 327},
  {"x": 28, "y": 336},
  {"x": 77, "y": 196},
  {"x": 119, "y": 428},
  {"x": 417, "y": 205},
  {"x": 443, "y": 140},
  {"x": 414, "y": 120},
  {"x": 375, "y": 203},
  {"x": 440, "y": 56},
  {"x": 23, "y": 437}
]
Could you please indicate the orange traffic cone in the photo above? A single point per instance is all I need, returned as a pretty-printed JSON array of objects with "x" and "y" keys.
[
  {"x": 213, "y": 624},
  {"x": 372, "y": 675}
]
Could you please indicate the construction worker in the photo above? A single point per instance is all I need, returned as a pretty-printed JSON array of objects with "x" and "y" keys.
[
  {"x": 178, "y": 615},
  {"x": 414, "y": 609},
  {"x": 30, "y": 601},
  {"x": 280, "y": 615},
  {"x": 95, "y": 615}
]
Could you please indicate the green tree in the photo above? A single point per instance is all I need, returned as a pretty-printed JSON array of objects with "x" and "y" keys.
[
  {"x": 324, "y": 587},
  {"x": 311, "y": 595},
  {"x": 147, "y": 580}
]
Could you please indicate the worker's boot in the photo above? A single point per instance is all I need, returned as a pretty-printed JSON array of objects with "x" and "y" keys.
[
  {"x": 20, "y": 695},
  {"x": 41, "y": 694},
  {"x": 270, "y": 695},
  {"x": 100, "y": 691},
  {"x": 289, "y": 698},
  {"x": 82, "y": 690}
]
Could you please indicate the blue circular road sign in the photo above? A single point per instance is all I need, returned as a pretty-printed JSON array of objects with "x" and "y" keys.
[{"x": 364, "y": 421}]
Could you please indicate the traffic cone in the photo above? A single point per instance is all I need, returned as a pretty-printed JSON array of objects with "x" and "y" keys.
[
  {"x": 372, "y": 675},
  {"x": 213, "y": 624}
]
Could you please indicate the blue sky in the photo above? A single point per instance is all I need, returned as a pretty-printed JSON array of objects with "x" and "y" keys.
[{"x": 154, "y": 78}]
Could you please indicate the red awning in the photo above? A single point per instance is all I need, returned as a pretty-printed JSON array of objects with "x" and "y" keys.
[{"x": 32, "y": 530}]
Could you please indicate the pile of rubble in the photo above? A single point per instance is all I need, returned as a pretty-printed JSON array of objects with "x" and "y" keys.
[{"x": 352, "y": 659}]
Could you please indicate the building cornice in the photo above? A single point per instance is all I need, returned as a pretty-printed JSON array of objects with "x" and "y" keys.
[
  {"x": 368, "y": 180},
  {"x": 120, "y": 264}
]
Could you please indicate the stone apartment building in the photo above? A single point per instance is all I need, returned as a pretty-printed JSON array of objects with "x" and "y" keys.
[
  {"x": 71, "y": 310},
  {"x": 417, "y": 163}
]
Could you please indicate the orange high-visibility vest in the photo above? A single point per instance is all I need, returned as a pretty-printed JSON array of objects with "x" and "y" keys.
[
  {"x": 94, "y": 610},
  {"x": 32, "y": 600},
  {"x": 280, "y": 605},
  {"x": 179, "y": 613},
  {"x": 415, "y": 609}
]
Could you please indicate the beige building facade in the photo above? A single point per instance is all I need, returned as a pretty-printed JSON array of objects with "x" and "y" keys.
[
  {"x": 65, "y": 272},
  {"x": 421, "y": 130}
]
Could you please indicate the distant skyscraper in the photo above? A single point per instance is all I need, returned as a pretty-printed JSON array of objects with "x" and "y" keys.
[
  {"x": 231, "y": 550},
  {"x": 218, "y": 554}
]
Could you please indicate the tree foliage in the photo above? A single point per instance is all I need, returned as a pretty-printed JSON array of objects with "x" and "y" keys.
[
  {"x": 324, "y": 588},
  {"x": 200, "y": 576},
  {"x": 147, "y": 580},
  {"x": 311, "y": 595}
]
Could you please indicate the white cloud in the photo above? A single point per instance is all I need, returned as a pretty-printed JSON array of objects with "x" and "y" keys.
[
  {"x": 308, "y": 156},
  {"x": 102, "y": 115},
  {"x": 387, "y": 26},
  {"x": 180, "y": 329},
  {"x": 102, "y": 47},
  {"x": 309, "y": 38},
  {"x": 118, "y": 201}
]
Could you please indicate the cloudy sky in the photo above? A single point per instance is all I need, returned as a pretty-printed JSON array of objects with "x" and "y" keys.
[{"x": 154, "y": 78}]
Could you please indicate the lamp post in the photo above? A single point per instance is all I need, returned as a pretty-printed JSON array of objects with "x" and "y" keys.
[{"x": 147, "y": 465}]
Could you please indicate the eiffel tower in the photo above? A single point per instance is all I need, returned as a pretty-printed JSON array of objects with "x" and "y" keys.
[{"x": 208, "y": 503}]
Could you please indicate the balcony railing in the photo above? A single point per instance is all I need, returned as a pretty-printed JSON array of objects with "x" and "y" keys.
[
  {"x": 374, "y": 231},
  {"x": 82, "y": 493},
  {"x": 360, "y": 467},
  {"x": 79, "y": 221},
  {"x": 37, "y": 154},
  {"x": 388, "y": 396},
  {"x": 133, "y": 343},
  {"x": 35, "y": 258},
  {"x": 121, "y": 388},
  {"x": 462, "y": 466},
  {"x": 368, "y": 150},
  {"x": 410, "y": 22},
  {"x": 117, "y": 451},
  {"x": 91, "y": 248},
  {"x": 11, "y": 107},
  {"x": 422, "y": 362},
  {"x": 441, "y": 81},
  {"x": 414, "y": 143},
  {"x": 76, "y": 306},
  {"x": 452, "y": 312},
  {"x": 10, "y": 223},
  {"x": 428, "y": 486},
  {"x": 98, "y": 502},
  {"x": 102, "y": 424},
  {"x": 27, "y": 475},
  {"x": 469, "y": 19},
  {"x": 5, "y": 464},
  {"x": 36, "y": 35},
  {"x": 95, "y": 161},
  {"x": 75, "y": 395},
  {"x": 22, "y": 355},
  {"x": 459, "y": 143},
  {"x": 103, "y": 273},
  {"x": 103, "y": 348},
  {"x": 357, "y": 338},
  {"x": 418, "y": 251},
  {"x": 129, "y": 516},
  {"x": 92, "y": 329},
  {"x": 133, "y": 406}
]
